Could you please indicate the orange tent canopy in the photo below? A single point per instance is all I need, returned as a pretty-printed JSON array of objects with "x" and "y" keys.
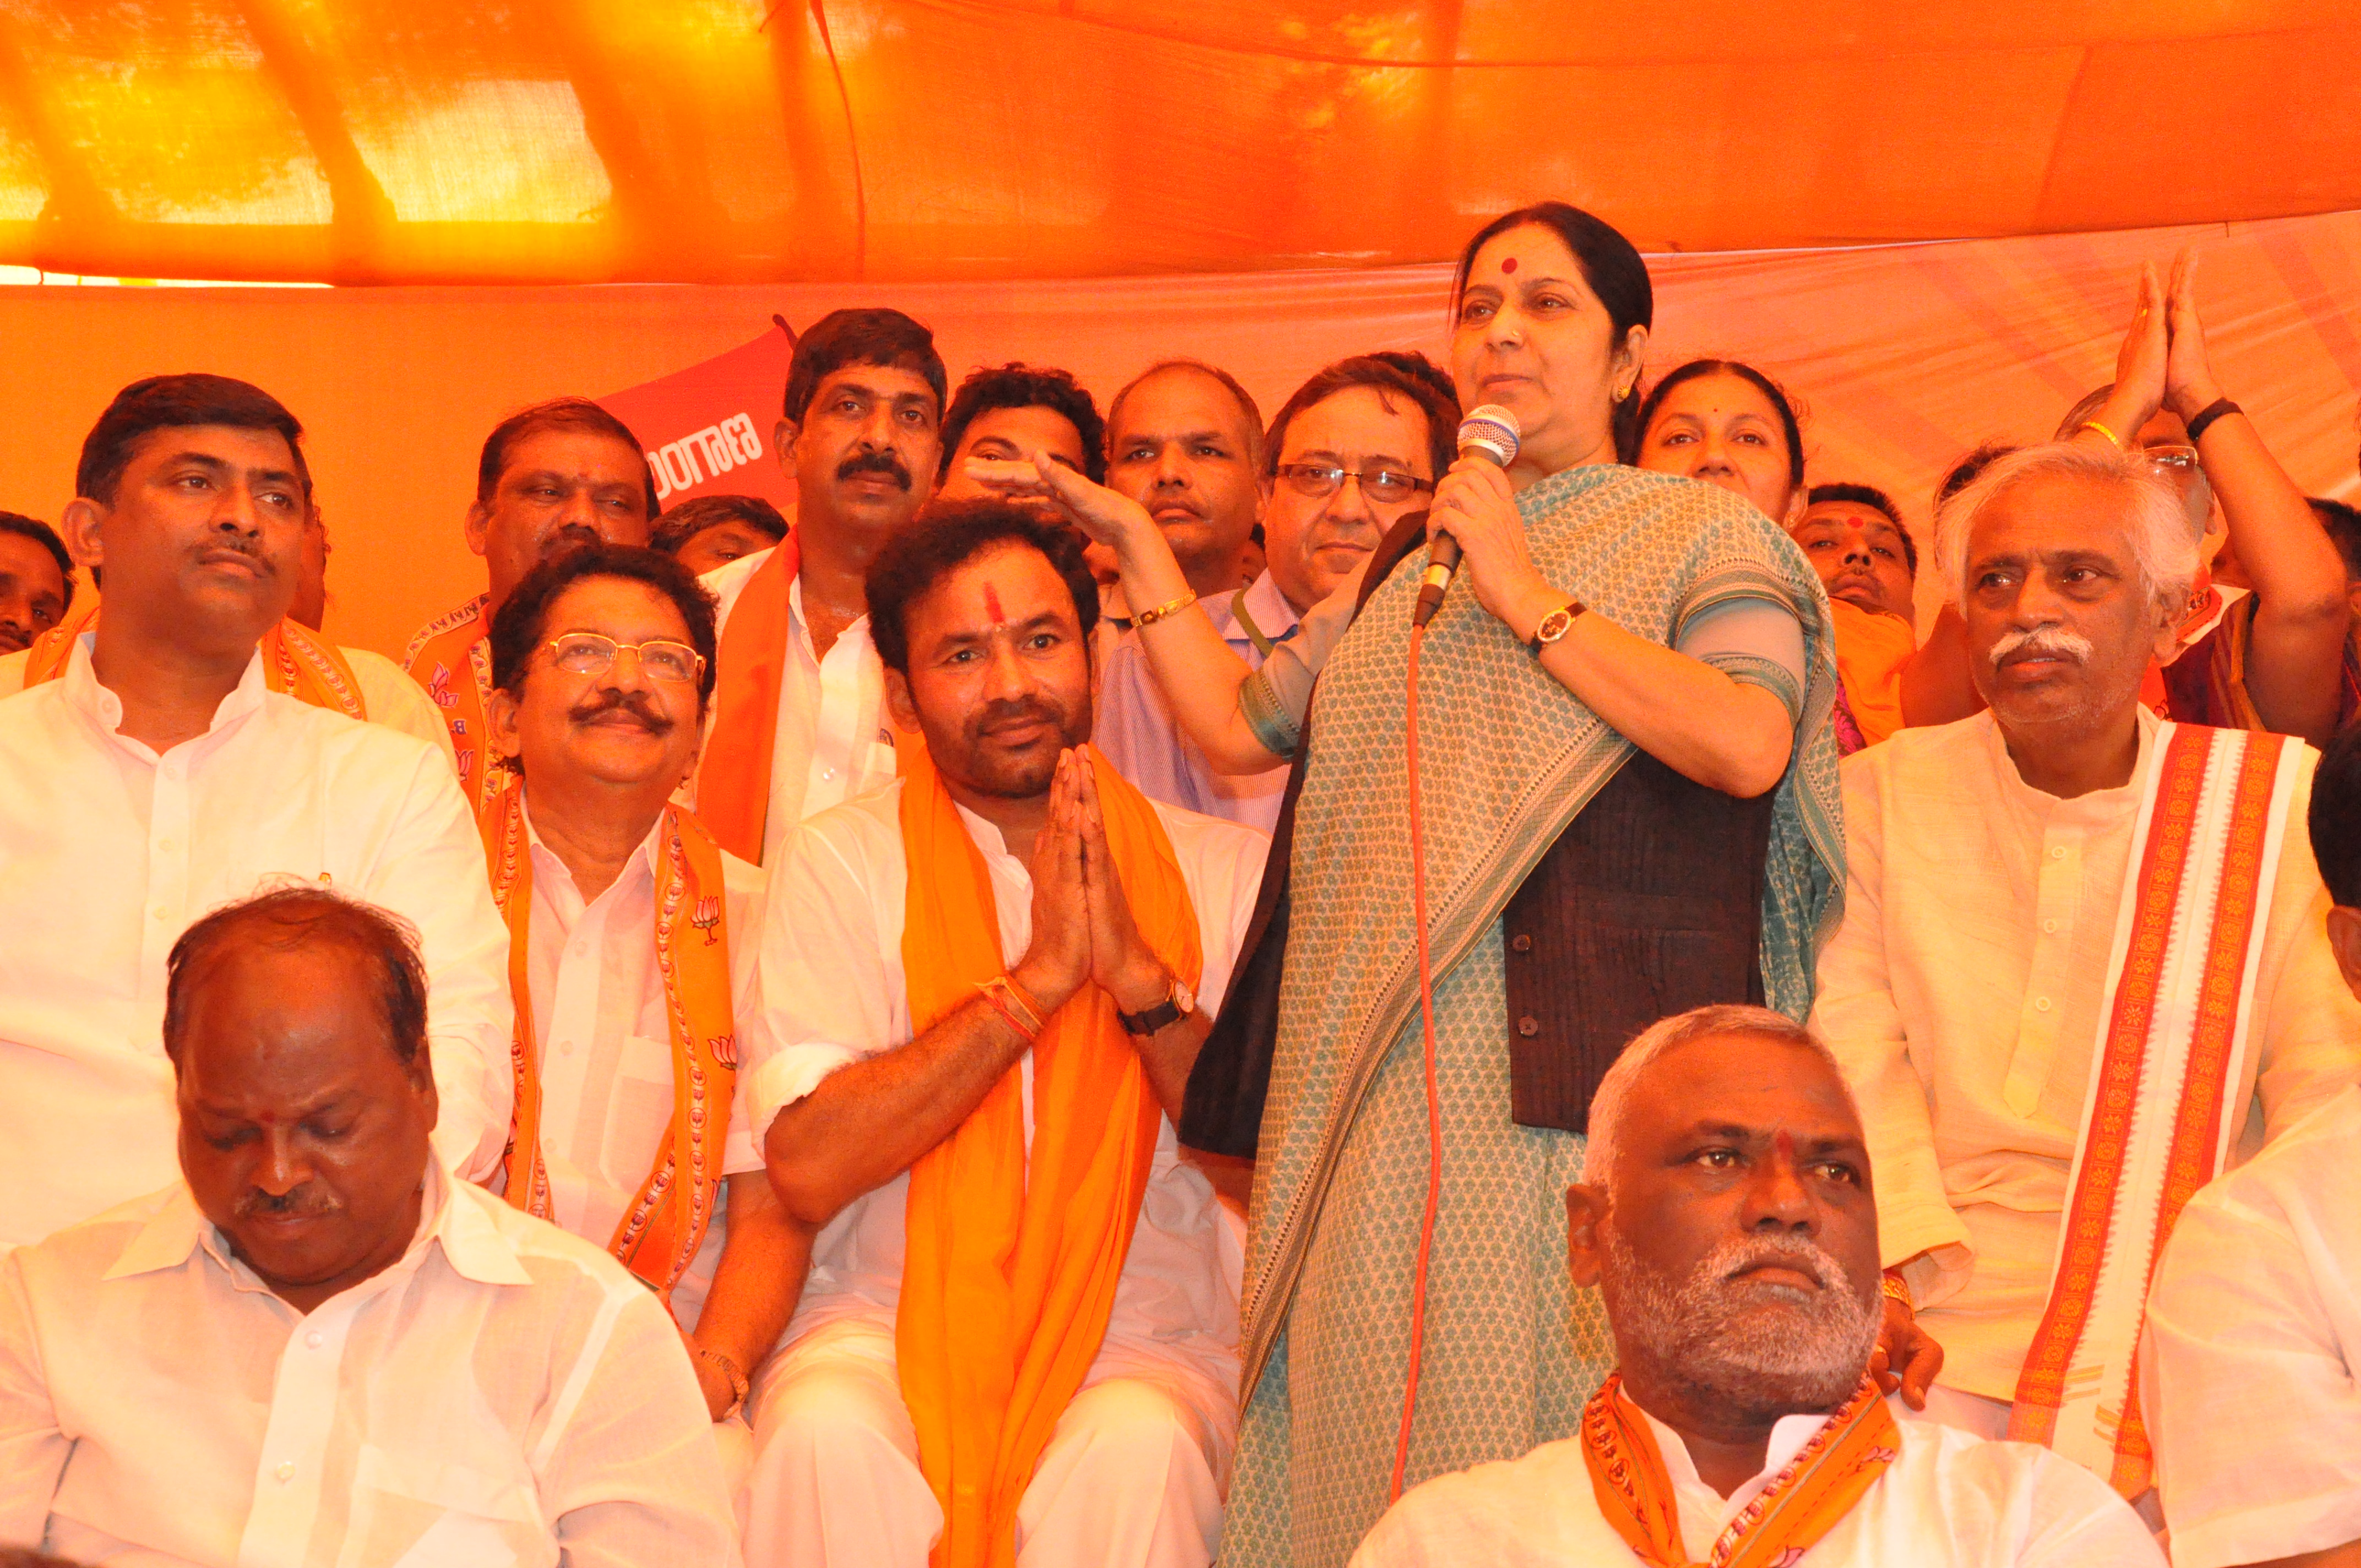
[{"x": 777, "y": 140}]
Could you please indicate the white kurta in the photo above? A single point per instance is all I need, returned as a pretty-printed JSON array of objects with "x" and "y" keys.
[
  {"x": 833, "y": 993},
  {"x": 1947, "y": 1500},
  {"x": 503, "y": 1394},
  {"x": 605, "y": 1042},
  {"x": 2250, "y": 1360},
  {"x": 833, "y": 740},
  {"x": 1962, "y": 997},
  {"x": 108, "y": 852}
]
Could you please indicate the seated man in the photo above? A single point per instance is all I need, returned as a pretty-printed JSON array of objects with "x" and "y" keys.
[
  {"x": 36, "y": 581},
  {"x": 558, "y": 473},
  {"x": 706, "y": 533},
  {"x": 637, "y": 937},
  {"x": 1022, "y": 1321},
  {"x": 1854, "y": 538},
  {"x": 170, "y": 754},
  {"x": 1727, "y": 1217},
  {"x": 319, "y": 1346},
  {"x": 2254, "y": 1332},
  {"x": 2082, "y": 967}
]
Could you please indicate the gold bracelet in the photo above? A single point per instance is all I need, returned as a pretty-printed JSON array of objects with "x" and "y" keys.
[
  {"x": 2113, "y": 438},
  {"x": 1169, "y": 607},
  {"x": 1894, "y": 1287}
]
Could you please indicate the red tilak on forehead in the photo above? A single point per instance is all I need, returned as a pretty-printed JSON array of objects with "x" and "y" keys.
[
  {"x": 992, "y": 605},
  {"x": 1510, "y": 265},
  {"x": 1785, "y": 1142}
]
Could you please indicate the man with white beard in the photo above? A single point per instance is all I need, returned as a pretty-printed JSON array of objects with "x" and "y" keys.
[{"x": 1726, "y": 1214}]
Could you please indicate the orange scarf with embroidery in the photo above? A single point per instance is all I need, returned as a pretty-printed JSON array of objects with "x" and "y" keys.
[
  {"x": 1013, "y": 1256},
  {"x": 1802, "y": 1503},
  {"x": 452, "y": 658},
  {"x": 296, "y": 661},
  {"x": 660, "y": 1233},
  {"x": 733, "y": 780},
  {"x": 1871, "y": 648}
]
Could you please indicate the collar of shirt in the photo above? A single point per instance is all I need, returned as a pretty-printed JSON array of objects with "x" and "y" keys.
[
  {"x": 555, "y": 882},
  {"x": 470, "y": 1243},
  {"x": 85, "y": 694},
  {"x": 854, "y": 635},
  {"x": 1270, "y": 608},
  {"x": 2098, "y": 808},
  {"x": 1788, "y": 1436}
]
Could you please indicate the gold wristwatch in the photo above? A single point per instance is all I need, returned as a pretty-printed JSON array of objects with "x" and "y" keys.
[{"x": 1554, "y": 625}]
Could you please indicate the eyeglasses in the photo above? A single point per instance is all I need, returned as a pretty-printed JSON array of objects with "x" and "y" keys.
[
  {"x": 588, "y": 653},
  {"x": 1317, "y": 481},
  {"x": 2174, "y": 460}
]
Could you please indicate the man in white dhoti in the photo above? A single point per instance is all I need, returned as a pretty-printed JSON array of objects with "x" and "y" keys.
[
  {"x": 173, "y": 755},
  {"x": 2082, "y": 967},
  {"x": 632, "y": 939},
  {"x": 1728, "y": 1218},
  {"x": 2251, "y": 1369},
  {"x": 984, "y": 986},
  {"x": 318, "y": 1348}
]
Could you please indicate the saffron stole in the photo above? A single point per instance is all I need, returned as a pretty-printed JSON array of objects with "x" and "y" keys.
[{"x": 2175, "y": 1046}]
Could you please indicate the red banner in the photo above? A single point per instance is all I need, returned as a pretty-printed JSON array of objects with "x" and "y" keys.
[{"x": 708, "y": 428}]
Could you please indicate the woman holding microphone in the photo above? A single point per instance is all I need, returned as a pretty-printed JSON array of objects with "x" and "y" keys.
[{"x": 1629, "y": 806}]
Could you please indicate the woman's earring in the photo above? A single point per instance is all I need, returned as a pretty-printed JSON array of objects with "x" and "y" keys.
[{"x": 1621, "y": 393}]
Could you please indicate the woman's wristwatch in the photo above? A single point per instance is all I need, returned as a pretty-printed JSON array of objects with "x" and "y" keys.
[{"x": 1554, "y": 625}]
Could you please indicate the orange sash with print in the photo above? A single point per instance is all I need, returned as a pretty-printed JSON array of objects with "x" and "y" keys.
[
  {"x": 452, "y": 658},
  {"x": 1803, "y": 1502},
  {"x": 659, "y": 1235},
  {"x": 296, "y": 661},
  {"x": 1871, "y": 648},
  {"x": 2161, "y": 1110},
  {"x": 733, "y": 781},
  {"x": 1013, "y": 1257}
]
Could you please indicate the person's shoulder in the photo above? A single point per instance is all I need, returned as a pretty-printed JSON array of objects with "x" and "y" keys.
[
  {"x": 852, "y": 832},
  {"x": 483, "y": 1229},
  {"x": 1938, "y": 748},
  {"x": 1515, "y": 1495},
  {"x": 1210, "y": 841},
  {"x": 1996, "y": 1469},
  {"x": 86, "y": 1252},
  {"x": 2306, "y": 1168}
]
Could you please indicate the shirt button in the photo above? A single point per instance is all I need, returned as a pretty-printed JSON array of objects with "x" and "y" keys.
[
  {"x": 2049, "y": 926},
  {"x": 286, "y": 1470},
  {"x": 314, "y": 1340},
  {"x": 581, "y": 949},
  {"x": 1521, "y": 943},
  {"x": 166, "y": 845},
  {"x": 1528, "y": 1027},
  {"x": 2041, "y": 1005},
  {"x": 827, "y": 773},
  {"x": 566, "y": 1047},
  {"x": 2059, "y": 853},
  {"x": 157, "y": 913}
]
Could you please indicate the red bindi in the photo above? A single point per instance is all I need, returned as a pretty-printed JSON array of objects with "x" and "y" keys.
[
  {"x": 992, "y": 605},
  {"x": 1510, "y": 265}
]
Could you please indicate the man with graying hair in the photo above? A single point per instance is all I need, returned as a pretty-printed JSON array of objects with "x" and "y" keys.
[
  {"x": 319, "y": 1346},
  {"x": 2082, "y": 967},
  {"x": 1727, "y": 1216}
]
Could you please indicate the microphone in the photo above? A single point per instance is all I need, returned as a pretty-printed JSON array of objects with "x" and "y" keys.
[{"x": 1489, "y": 431}]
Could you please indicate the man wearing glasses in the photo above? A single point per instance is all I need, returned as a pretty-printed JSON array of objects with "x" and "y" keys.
[
  {"x": 1356, "y": 447},
  {"x": 632, "y": 948}
]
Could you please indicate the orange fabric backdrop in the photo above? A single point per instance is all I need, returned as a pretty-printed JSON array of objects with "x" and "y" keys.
[
  {"x": 1904, "y": 355},
  {"x": 549, "y": 140}
]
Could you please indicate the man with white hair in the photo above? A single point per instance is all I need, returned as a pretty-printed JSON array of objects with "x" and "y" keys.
[
  {"x": 1727, "y": 1216},
  {"x": 2082, "y": 967}
]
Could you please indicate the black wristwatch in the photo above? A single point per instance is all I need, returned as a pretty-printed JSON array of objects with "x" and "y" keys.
[{"x": 1176, "y": 1004}]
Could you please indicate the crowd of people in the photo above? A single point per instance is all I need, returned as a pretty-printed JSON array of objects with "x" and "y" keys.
[{"x": 1031, "y": 1013}]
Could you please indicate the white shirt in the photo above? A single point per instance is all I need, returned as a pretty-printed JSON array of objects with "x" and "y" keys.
[
  {"x": 604, "y": 1045},
  {"x": 107, "y": 853},
  {"x": 833, "y": 740},
  {"x": 388, "y": 697},
  {"x": 1947, "y": 1500},
  {"x": 1962, "y": 996},
  {"x": 505, "y": 1394},
  {"x": 833, "y": 993},
  {"x": 2254, "y": 1341}
]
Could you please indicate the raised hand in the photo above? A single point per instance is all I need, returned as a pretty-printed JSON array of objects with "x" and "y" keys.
[
  {"x": 1107, "y": 516},
  {"x": 2188, "y": 384},
  {"x": 2139, "y": 364},
  {"x": 1057, "y": 959},
  {"x": 1121, "y": 963}
]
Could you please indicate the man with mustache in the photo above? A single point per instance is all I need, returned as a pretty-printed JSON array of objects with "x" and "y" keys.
[
  {"x": 173, "y": 752},
  {"x": 984, "y": 987},
  {"x": 799, "y": 713},
  {"x": 1854, "y": 536},
  {"x": 1727, "y": 1216},
  {"x": 551, "y": 478},
  {"x": 319, "y": 1346},
  {"x": 36, "y": 580},
  {"x": 2081, "y": 966}
]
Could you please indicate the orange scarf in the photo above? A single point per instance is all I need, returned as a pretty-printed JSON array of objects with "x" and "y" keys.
[
  {"x": 1802, "y": 1503},
  {"x": 733, "y": 781},
  {"x": 1871, "y": 648},
  {"x": 1013, "y": 1258},
  {"x": 295, "y": 663},
  {"x": 660, "y": 1233},
  {"x": 452, "y": 658}
]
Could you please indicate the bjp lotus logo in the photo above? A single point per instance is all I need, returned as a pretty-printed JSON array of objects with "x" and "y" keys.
[{"x": 707, "y": 917}]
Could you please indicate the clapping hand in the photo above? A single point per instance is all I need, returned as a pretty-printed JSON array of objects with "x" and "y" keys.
[
  {"x": 1121, "y": 963},
  {"x": 2188, "y": 384},
  {"x": 1057, "y": 960}
]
